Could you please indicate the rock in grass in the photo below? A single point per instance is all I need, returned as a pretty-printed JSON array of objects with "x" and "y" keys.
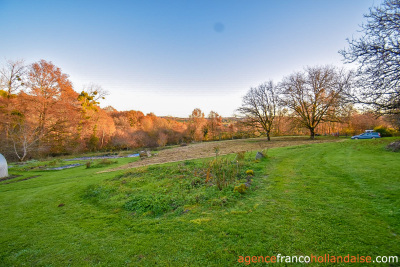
[
  {"x": 259, "y": 155},
  {"x": 145, "y": 154},
  {"x": 394, "y": 146}
]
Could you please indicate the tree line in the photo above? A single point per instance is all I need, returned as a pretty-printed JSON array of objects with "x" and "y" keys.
[{"x": 41, "y": 114}]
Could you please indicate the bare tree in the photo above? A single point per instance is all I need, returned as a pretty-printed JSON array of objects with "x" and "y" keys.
[
  {"x": 315, "y": 95},
  {"x": 12, "y": 77},
  {"x": 377, "y": 53},
  {"x": 260, "y": 106},
  {"x": 23, "y": 135},
  {"x": 12, "y": 80}
]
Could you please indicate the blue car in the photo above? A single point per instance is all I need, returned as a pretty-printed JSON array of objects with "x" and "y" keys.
[{"x": 367, "y": 135}]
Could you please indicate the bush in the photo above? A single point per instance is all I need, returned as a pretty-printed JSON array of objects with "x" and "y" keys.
[
  {"x": 107, "y": 162},
  {"x": 93, "y": 142},
  {"x": 250, "y": 172},
  {"x": 385, "y": 131},
  {"x": 240, "y": 188}
]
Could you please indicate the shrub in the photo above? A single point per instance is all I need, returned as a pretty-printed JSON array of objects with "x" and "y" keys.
[
  {"x": 88, "y": 164},
  {"x": 107, "y": 162},
  {"x": 93, "y": 142},
  {"x": 250, "y": 172},
  {"x": 385, "y": 131},
  {"x": 240, "y": 188}
]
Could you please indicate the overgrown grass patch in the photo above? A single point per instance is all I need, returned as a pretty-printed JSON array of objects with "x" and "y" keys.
[{"x": 160, "y": 189}]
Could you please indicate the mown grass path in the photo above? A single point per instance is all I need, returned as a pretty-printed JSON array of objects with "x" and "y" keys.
[{"x": 337, "y": 198}]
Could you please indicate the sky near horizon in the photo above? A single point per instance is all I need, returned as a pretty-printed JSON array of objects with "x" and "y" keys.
[{"x": 169, "y": 57}]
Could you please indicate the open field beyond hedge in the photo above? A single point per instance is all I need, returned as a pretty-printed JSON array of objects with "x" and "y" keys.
[{"x": 334, "y": 198}]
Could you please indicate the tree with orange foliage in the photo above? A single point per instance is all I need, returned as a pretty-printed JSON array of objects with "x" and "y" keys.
[
  {"x": 196, "y": 125},
  {"x": 214, "y": 124},
  {"x": 48, "y": 87}
]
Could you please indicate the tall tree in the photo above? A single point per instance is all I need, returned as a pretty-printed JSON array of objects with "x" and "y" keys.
[
  {"x": 377, "y": 53},
  {"x": 260, "y": 106},
  {"x": 50, "y": 91},
  {"x": 315, "y": 95}
]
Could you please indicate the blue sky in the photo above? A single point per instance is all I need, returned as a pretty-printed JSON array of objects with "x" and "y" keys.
[{"x": 169, "y": 57}]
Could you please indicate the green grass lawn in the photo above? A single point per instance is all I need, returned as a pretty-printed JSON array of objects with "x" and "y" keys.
[{"x": 332, "y": 198}]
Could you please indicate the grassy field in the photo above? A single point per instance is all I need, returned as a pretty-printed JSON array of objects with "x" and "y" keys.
[{"x": 331, "y": 198}]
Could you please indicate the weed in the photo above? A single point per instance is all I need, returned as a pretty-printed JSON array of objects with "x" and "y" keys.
[
  {"x": 216, "y": 151},
  {"x": 240, "y": 155},
  {"x": 53, "y": 163},
  {"x": 223, "y": 172},
  {"x": 88, "y": 164},
  {"x": 240, "y": 188}
]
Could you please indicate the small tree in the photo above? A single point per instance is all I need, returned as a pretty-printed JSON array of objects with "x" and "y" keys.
[
  {"x": 260, "y": 106},
  {"x": 315, "y": 95}
]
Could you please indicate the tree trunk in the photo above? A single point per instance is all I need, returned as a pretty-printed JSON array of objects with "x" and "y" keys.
[
  {"x": 268, "y": 136},
  {"x": 312, "y": 133}
]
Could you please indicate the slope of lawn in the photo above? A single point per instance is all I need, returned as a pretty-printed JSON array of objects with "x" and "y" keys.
[{"x": 332, "y": 198}]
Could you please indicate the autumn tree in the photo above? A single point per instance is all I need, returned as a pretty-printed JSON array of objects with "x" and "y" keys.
[
  {"x": 259, "y": 107},
  {"x": 196, "y": 125},
  {"x": 377, "y": 53},
  {"x": 53, "y": 101},
  {"x": 214, "y": 124},
  {"x": 315, "y": 95}
]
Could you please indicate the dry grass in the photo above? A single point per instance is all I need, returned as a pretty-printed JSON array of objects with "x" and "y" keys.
[{"x": 207, "y": 149}]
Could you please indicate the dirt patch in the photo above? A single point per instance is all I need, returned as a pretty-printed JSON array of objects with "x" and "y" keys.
[{"x": 207, "y": 149}]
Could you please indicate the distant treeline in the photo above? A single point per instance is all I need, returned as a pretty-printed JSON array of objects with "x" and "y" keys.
[{"x": 41, "y": 114}]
